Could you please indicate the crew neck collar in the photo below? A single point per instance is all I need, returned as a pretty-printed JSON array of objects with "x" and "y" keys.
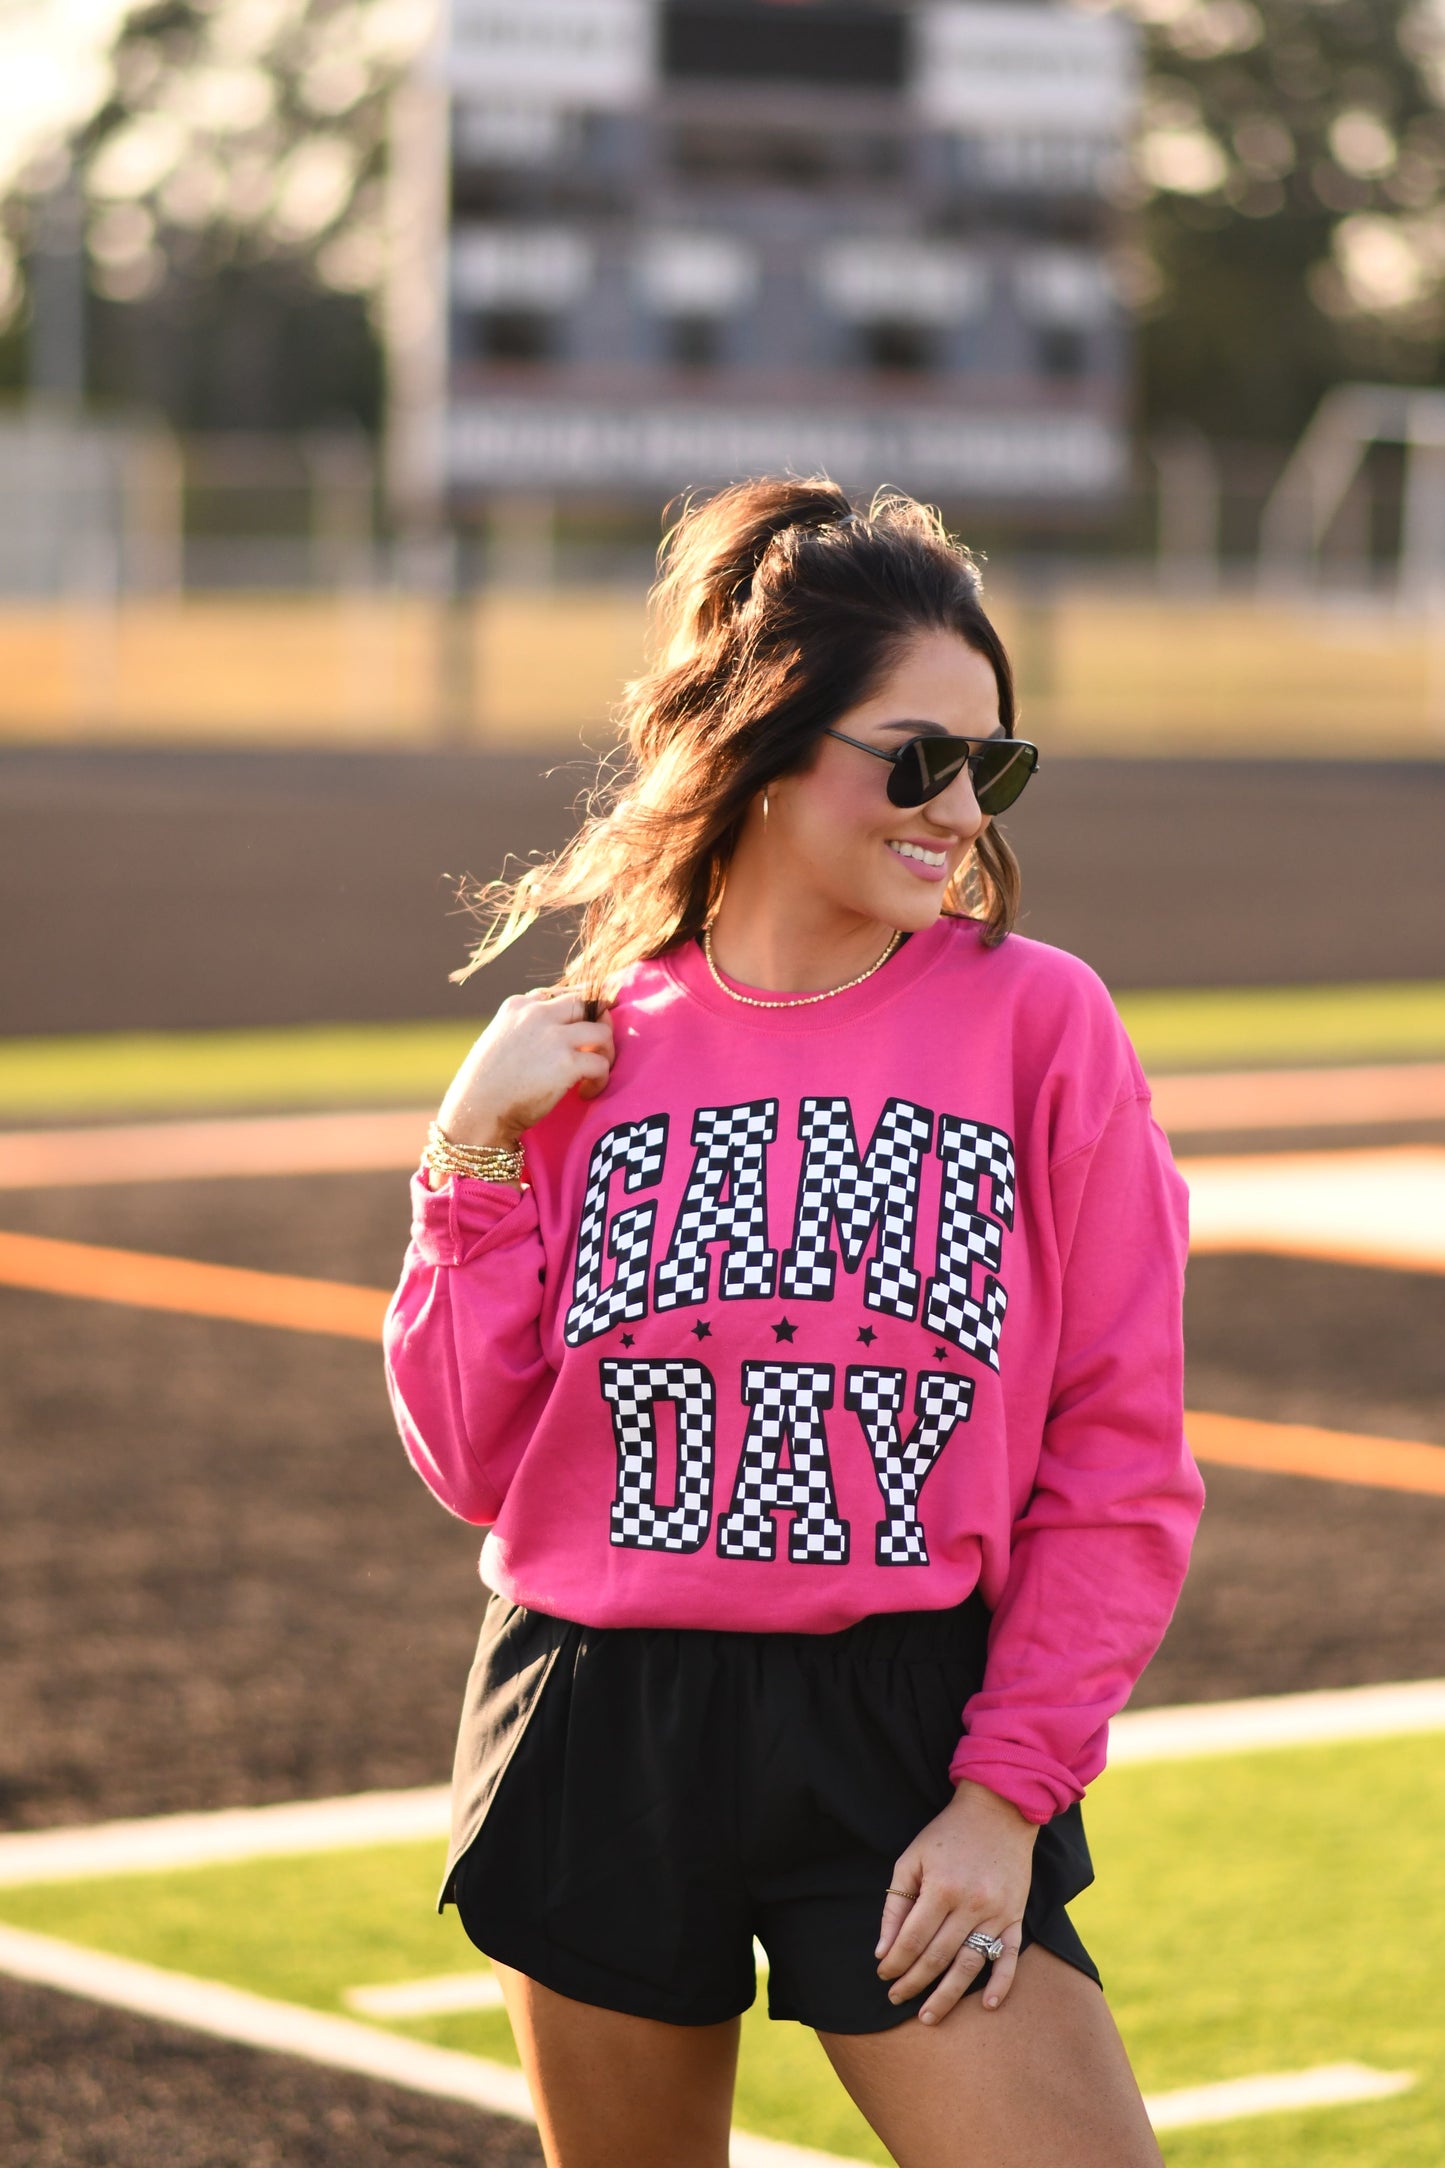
[{"x": 686, "y": 966}]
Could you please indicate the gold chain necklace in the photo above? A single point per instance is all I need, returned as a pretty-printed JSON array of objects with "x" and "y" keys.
[{"x": 800, "y": 1000}]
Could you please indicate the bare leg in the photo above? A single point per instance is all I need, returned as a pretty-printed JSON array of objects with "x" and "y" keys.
[
  {"x": 622, "y": 2092},
  {"x": 1041, "y": 2082}
]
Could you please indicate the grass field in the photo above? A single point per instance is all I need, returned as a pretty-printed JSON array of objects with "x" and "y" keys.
[
  {"x": 330, "y": 1065},
  {"x": 1254, "y": 1913},
  {"x": 1281, "y": 1026},
  {"x": 338, "y": 1065}
]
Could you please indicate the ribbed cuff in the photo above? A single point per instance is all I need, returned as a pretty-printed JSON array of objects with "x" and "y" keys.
[
  {"x": 1039, "y": 1790},
  {"x": 448, "y": 1225}
]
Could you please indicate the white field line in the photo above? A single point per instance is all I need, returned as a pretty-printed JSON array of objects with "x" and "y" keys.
[
  {"x": 1384, "y": 1206},
  {"x": 1271, "y": 1721},
  {"x": 439, "y": 1996},
  {"x": 161, "y": 1842},
  {"x": 746, "y": 2151},
  {"x": 339, "y": 2043},
  {"x": 1332, "y": 2085}
]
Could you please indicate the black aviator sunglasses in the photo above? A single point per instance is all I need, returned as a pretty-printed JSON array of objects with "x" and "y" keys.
[{"x": 925, "y": 765}]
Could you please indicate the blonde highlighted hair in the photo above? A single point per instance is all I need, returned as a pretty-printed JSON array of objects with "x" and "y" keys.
[{"x": 777, "y": 607}]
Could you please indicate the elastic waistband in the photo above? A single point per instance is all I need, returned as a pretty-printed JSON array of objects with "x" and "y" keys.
[
  {"x": 901, "y": 1635},
  {"x": 904, "y": 1634}
]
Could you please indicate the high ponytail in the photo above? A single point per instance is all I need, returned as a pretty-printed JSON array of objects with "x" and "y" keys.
[
  {"x": 712, "y": 553},
  {"x": 777, "y": 607}
]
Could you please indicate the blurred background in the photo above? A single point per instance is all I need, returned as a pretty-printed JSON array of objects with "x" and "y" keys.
[
  {"x": 350, "y": 351},
  {"x": 344, "y": 351}
]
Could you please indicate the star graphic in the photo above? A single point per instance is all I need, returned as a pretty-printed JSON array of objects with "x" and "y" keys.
[
  {"x": 867, "y": 1335},
  {"x": 627, "y": 1339},
  {"x": 783, "y": 1330},
  {"x": 702, "y": 1330},
  {"x": 941, "y": 1354}
]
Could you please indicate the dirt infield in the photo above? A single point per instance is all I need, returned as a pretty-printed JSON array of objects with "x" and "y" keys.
[
  {"x": 167, "y": 889},
  {"x": 82, "y": 2087}
]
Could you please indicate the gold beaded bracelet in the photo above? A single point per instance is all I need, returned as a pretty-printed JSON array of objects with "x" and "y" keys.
[{"x": 484, "y": 1162}]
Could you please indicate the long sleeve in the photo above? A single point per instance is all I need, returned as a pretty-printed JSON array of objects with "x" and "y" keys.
[
  {"x": 465, "y": 1370},
  {"x": 1100, "y": 1551}
]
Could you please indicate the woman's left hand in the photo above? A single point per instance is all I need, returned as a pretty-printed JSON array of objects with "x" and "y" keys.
[{"x": 971, "y": 1867}]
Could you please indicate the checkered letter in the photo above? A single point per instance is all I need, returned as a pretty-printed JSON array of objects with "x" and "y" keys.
[
  {"x": 941, "y": 1401},
  {"x": 732, "y": 1144},
  {"x": 639, "y": 1522},
  {"x": 835, "y": 1186},
  {"x": 639, "y": 1148},
  {"x": 966, "y": 1236},
  {"x": 786, "y": 1400}
]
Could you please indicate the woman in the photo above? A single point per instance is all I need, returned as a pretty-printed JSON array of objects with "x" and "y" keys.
[{"x": 795, "y": 1290}]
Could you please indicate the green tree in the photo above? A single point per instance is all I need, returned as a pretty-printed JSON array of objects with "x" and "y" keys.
[
  {"x": 232, "y": 168},
  {"x": 1289, "y": 179}
]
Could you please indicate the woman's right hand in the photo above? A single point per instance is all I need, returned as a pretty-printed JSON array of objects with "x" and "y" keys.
[{"x": 537, "y": 1046}]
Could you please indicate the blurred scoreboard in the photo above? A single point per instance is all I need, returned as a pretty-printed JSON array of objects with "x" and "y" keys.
[{"x": 687, "y": 240}]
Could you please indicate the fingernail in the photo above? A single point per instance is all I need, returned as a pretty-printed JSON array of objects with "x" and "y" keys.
[
  {"x": 878, "y": 1950},
  {"x": 925, "y": 2017},
  {"x": 990, "y": 2002}
]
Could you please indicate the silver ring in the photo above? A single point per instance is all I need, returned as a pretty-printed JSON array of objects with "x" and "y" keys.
[{"x": 989, "y": 1946}]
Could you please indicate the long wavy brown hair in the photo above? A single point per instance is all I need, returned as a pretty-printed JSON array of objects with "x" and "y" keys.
[{"x": 777, "y": 607}]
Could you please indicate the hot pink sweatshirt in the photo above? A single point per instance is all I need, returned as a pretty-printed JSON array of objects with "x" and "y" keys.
[{"x": 825, "y": 1310}]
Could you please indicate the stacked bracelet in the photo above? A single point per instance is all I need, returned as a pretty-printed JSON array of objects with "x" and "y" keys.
[{"x": 484, "y": 1162}]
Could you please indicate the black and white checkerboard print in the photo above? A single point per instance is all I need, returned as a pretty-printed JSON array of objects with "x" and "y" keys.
[
  {"x": 639, "y": 1148},
  {"x": 835, "y": 1185},
  {"x": 732, "y": 1147},
  {"x": 785, "y": 1400},
  {"x": 941, "y": 1401},
  {"x": 966, "y": 1238},
  {"x": 639, "y": 1521}
]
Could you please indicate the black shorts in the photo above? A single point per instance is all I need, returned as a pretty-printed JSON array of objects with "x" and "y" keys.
[{"x": 632, "y": 1805}]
